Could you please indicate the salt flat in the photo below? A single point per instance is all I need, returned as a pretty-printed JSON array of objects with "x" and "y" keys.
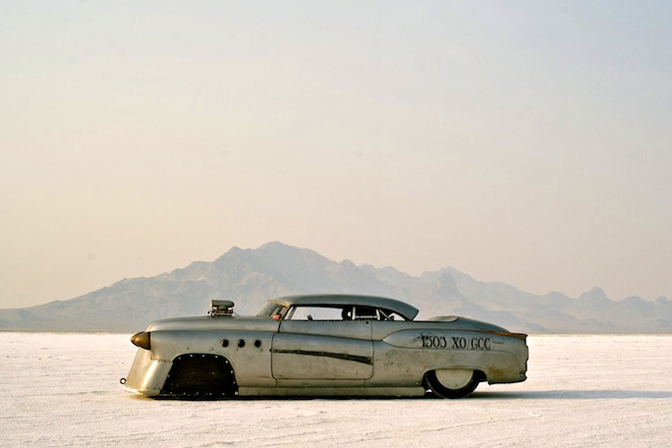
[{"x": 61, "y": 389}]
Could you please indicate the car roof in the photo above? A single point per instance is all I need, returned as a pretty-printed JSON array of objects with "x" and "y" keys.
[{"x": 403, "y": 309}]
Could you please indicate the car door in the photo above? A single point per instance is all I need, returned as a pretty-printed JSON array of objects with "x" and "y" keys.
[{"x": 323, "y": 350}]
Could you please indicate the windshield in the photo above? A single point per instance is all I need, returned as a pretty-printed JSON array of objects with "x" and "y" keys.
[{"x": 273, "y": 310}]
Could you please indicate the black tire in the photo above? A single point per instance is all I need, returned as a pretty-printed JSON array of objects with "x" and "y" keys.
[{"x": 442, "y": 391}]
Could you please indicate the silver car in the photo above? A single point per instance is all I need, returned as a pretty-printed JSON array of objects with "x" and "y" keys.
[{"x": 323, "y": 345}]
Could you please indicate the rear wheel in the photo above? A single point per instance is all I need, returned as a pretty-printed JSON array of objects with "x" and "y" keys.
[{"x": 452, "y": 383}]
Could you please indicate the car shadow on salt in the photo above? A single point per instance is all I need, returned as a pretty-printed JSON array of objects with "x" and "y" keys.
[
  {"x": 602, "y": 394},
  {"x": 574, "y": 394}
]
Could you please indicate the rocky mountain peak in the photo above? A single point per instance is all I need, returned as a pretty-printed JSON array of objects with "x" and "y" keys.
[
  {"x": 446, "y": 286},
  {"x": 595, "y": 295}
]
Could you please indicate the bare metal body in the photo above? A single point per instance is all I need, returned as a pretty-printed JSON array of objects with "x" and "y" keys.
[{"x": 372, "y": 348}]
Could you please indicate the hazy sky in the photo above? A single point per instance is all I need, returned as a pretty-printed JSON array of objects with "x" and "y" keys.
[{"x": 523, "y": 142}]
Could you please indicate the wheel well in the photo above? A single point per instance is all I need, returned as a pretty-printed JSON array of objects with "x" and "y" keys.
[
  {"x": 199, "y": 375},
  {"x": 432, "y": 383},
  {"x": 479, "y": 374}
]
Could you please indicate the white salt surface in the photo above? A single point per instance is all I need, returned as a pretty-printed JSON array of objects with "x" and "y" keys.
[{"x": 62, "y": 389}]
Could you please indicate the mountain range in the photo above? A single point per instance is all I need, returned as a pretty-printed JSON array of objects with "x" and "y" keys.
[{"x": 250, "y": 276}]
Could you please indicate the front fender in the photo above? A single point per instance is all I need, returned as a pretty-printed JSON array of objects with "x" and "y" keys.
[{"x": 147, "y": 376}]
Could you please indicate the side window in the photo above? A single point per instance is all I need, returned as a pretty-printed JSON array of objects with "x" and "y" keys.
[
  {"x": 315, "y": 313},
  {"x": 389, "y": 315},
  {"x": 365, "y": 313}
]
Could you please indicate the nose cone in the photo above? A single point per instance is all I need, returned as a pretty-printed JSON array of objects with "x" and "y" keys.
[{"x": 142, "y": 340}]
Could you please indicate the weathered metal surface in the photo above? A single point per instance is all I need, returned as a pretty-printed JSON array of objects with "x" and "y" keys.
[
  {"x": 308, "y": 356},
  {"x": 327, "y": 357}
]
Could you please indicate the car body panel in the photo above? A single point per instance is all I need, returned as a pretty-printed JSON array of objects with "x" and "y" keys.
[
  {"x": 329, "y": 357},
  {"x": 308, "y": 356}
]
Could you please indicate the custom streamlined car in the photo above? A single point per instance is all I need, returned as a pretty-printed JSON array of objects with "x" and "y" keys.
[{"x": 323, "y": 345}]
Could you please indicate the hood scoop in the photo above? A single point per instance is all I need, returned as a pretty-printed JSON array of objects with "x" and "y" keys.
[{"x": 221, "y": 308}]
